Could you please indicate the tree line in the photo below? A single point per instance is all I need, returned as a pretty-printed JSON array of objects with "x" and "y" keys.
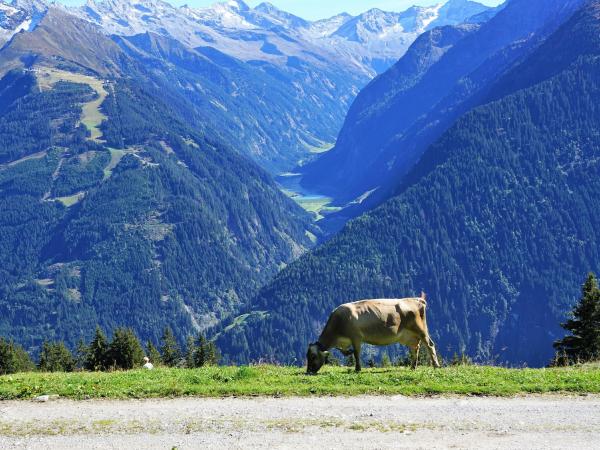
[
  {"x": 582, "y": 344},
  {"x": 123, "y": 352}
]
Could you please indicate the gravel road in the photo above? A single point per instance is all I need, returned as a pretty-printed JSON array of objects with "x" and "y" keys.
[{"x": 355, "y": 422}]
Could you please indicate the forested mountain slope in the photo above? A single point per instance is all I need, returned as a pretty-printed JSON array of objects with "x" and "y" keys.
[
  {"x": 498, "y": 223},
  {"x": 273, "y": 115},
  {"x": 283, "y": 84},
  {"x": 444, "y": 74},
  {"x": 116, "y": 209}
]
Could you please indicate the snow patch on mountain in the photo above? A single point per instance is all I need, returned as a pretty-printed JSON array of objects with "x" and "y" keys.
[
  {"x": 368, "y": 43},
  {"x": 20, "y": 15}
]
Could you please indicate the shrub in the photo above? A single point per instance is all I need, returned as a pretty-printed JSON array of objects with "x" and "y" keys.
[
  {"x": 97, "y": 352},
  {"x": 56, "y": 357},
  {"x": 169, "y": 350},
  {"x": 125, "y": 351},
  {"x": 13, "y": 358}
]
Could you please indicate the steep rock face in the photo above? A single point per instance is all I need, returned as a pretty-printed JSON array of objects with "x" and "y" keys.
[
  {"x": 118, "y": 208},
  {"x": 19, "y": 15},
  {"x": 365, "y": 43},
  {"x": 497, "y": 222},
  {"x": 387, "y": 131}
]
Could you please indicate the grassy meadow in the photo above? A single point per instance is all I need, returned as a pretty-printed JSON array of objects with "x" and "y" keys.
[
  {"x": 91, "y": 115},
  {"x": 291, "y": 381}
]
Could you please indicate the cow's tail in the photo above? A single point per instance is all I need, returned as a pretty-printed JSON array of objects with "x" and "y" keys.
[{"x": 423, "y": 309}]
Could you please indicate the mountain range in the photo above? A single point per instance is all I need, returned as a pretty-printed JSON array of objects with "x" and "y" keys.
[
  {"x": 446, "y": 72},
  {"x": 299, "y": 76},
  {"x": 497, "y": 221},
  {"x": 139, "y": 143},
  {"x": 120, "y": 204}
]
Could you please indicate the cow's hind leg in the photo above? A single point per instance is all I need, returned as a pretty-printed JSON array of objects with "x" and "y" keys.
[
  {"x": 414, "y": 355},
  {"x": 356, "y": 346},
  {"x": 349, "y": 351},
  {"x": 432, "y": 352}
]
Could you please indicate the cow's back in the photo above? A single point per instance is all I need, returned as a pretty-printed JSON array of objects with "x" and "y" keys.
[{"x": 382, "y": 321}]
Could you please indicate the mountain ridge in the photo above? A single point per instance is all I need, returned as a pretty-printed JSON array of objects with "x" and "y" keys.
[
  {"x": 497, "y": 223},
  {"x": 409, "y": 118}
]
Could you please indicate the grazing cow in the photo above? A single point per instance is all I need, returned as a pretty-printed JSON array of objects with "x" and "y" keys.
[{"x": 376, "y": 322}]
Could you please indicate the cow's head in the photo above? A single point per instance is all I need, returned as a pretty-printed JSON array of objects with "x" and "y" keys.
[{"x": 315, "y": 357}]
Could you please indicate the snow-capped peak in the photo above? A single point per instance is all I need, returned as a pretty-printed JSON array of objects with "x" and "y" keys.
[{"x": 371, "y": 41}]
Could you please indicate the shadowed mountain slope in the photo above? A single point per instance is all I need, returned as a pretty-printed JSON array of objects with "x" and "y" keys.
[{"x": 497, "y": 222}]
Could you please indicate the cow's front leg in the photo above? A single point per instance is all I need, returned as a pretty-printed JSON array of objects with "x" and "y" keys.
[
  {"x": 356, "y": 345},
  {"x": 349, "y": 351},
  {"x": 414, "y": 355}
]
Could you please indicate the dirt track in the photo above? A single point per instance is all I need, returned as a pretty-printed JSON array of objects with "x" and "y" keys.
[{"x": 356, "y": 422}]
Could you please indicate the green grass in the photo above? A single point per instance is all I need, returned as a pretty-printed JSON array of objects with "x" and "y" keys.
[
  {"x": 240, "y": 320},
  {"x": 116, "y": 156},
  {"x": 314, "y": 205},
  {"x": 71, "y": 199},
  {"x": 91, "y": 115},
  {"x": 291, "y": 381}
]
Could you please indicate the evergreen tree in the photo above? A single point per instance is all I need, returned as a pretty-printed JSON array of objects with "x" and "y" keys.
[
  {"x": 125, "y": 351},
  {"x": 213, "y": 355},
  {"x": 583, "y": 343},
  {"x": 385, "y": 360},
  {"x": 13, "y": 358},
  {"x": 56, "y": 357},
  {"x": 153, "y": 354},
  {"x": 97, "y": 352},
  {"x": 200, "y": 356},
  {"x": 81, "y": 354},
  {"x": 190, "y": 352},
  {"x": 169, "y": 350}
]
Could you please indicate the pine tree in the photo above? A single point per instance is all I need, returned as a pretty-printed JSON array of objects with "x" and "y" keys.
[
  {"x": 200, "y": 356},
  {"x": 385, "y": 360},
  {"x": 97, "y": 357},
  {"x": 583, "y": 343},
  {"x": 153, "y": 354},
  {"x": 56, "y": 357},
  {"x": 81, "y": 354},
  {"x": 190, "y": 352},
  {"x": 13, "y": 358},
  {"x": 125, "y": 351},
  {"x": 169, "y": 349},
  {"x": 213, "y": 355}
]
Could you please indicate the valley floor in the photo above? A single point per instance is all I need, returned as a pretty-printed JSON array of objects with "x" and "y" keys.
[{"x": 549, "y": 421}]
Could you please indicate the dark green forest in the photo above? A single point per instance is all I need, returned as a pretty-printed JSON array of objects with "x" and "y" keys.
[
  {"x": 498, "y": 223},
  {"x": 157, "y": 226}
]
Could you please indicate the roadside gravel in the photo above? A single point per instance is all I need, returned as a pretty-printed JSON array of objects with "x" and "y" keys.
[{"x": 369, "y": 422}]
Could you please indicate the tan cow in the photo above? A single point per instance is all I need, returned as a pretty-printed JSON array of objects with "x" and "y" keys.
[{"x": 377, "y": 322}]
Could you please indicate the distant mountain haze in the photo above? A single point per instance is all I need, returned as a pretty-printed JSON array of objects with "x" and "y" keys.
[
  {"x": 315, "y": 69},
  {"x": 316, "y": 9}
]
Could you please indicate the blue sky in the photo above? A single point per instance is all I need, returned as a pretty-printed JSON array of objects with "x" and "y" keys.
[{"x": 317, "y": 9}]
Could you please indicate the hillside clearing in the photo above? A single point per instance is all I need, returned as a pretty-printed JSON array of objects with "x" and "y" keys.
[
  {"x": 71, "y": 200},
  {"x": 291, "y": 381},
  {"x": 91, "y": 115}
]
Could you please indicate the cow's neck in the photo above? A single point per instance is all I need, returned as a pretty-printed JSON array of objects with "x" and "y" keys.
[{"x": 326, "y": 341}]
